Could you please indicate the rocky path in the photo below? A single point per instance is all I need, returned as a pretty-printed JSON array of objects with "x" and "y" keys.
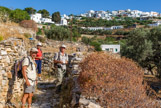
[{"x": 45, "y": 96}]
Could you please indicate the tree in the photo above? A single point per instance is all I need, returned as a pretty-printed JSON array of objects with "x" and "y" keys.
[
  {"x": 144, "y": 47},
  {"x": 44, "y": 12},
  {"x": 138, "y": 47},
  {"x": 58, "y": 33},
  {"x": 4, "y": 13},
  {"x": 30, "y": 10},
  {"x": 155, "y": 37},
  {"x": 56, "y": 17},
  {"x": 18, "y": 15}
]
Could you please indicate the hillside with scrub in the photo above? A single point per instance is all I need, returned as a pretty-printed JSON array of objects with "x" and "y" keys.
[{"x": 94, "y": 78}]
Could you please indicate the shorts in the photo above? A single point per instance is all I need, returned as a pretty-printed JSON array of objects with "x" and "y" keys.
[{"x": 29, "y": 89}]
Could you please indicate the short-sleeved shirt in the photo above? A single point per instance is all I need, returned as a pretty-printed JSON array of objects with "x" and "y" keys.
[
  {"x": 61, "y": 57},
  {"x": 39, "y": 54},
  {"x": 31, "y": 70}
]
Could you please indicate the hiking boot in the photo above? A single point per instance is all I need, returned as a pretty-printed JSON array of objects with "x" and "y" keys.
[
  {"x": 58, "y": 89},
  {"x": 39, "y": 79}
]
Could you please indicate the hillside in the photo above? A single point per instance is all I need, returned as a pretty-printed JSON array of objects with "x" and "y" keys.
[{"x": 105, "y": 79}]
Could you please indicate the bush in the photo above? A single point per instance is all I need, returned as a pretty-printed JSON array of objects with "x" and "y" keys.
[
  {"x": 29, "y": 24},
  {"x": 114, "y": 82},
  {"x": 39, "y": 32},
  {"x": 27, "y": 35},
  {"x": 86, "y": 40},
  {"x": 96, "y": 45},
  {"x": 1, "y": 38},
  {"x": 41, "y": 39},
  {"x": 58, "y": 33}
]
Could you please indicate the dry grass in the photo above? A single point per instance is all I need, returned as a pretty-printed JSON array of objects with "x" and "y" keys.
[
  {"x": 114, "y": 82},
  {"x": 8, "y": 30},
  {"x": 11, "y": 29}
]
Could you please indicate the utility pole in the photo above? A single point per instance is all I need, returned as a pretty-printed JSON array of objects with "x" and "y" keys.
[
  {"x": 71, "y": 33},
  {"x": 33, "y": 24}
]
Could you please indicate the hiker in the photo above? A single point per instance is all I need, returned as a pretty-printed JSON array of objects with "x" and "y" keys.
[
  {"x": 60, "y": 62},
  {"x": 38, "y": 60},
  {"x": 30, "y": 77}
]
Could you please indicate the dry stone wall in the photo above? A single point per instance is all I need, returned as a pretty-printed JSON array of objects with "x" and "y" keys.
[
  {"x": 11, "y": 88},
  {"x": 70, "y": 96}
]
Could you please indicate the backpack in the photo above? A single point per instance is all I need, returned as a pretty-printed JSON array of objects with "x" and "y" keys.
[
  {"x": 18, "y": 67},
  {"x": 55, "y": 64}
]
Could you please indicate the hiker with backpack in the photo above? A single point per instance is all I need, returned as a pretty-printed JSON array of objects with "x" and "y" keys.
[
  {"x": 60, "y": 62},
  {"x": 38, "y": 60},
  {"x": 30, "y": 77}
]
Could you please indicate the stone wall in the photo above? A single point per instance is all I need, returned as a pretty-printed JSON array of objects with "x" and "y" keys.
[
  {"x": 70, "y": 96},
  {"x": 11, "y": 88}
]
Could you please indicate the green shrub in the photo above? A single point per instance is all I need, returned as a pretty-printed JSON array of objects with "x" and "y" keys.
[
  {"x": 1, "y": 38},
  {"x": 27, "y": 35},
  {"x": 41, "y": 39},
  {"x": 96, "y": 45},
  {"x": 39, "y": 32}
]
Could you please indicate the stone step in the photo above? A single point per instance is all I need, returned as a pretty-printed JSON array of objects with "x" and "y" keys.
[{"x": 46, "y": 85}]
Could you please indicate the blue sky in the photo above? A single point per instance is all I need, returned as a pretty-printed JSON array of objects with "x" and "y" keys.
[{"x": 77, "y": 7}]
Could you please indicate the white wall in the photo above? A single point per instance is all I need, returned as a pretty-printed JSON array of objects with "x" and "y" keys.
[
  {"x": 63, "y": 22},
  {"x": 112, "y": 48},
  {"x": 36, "y": 17}
]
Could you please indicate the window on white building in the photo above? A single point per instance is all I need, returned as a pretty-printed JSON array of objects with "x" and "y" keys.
[
  {"x": 107, "y": 49},
  {"x": 116, "y": 49}
]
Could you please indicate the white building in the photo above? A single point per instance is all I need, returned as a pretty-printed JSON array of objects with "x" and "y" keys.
[
  {"x": 105, "y": 28},
  {"x": 145, "y": 14},
  {"x": 95, "y": 28},
  {"x": 136, "y": 13},
  {"x": 114, "y": 13},
  {"x": 117, "y": 27},
  {"x": 63, "y": 21},
  {"x": 65, "y": 16},
  {"x": 47, "y": 20},
  {"x": 154, "y": 14},
  {"x": 111, "y": 48},
  {"x": 36, "y": 17},
  {"x": 158, "y": 23}
]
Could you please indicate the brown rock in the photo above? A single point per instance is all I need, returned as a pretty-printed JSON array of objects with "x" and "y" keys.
[{"x": 9, "y": 75}]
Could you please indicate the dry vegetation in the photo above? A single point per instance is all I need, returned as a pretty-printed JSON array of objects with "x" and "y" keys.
[
  {"x": 114, "y": 82},
  {"x": 10, "y": 29}
]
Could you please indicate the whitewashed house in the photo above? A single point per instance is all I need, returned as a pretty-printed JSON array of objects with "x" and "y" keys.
[
  {"x": 145, "y": 14},
  {"x": 114, "y": 13},
  {"x": 65, "y": 16},
  {"x": 105, "y": 28},
  {"x": 63, "y": 21},
  {"x": 95, "y": 28},
  {"x": 158, "y": 23},
  {"x": 153, "y": 14},
  {"x": 111, "y": 48},
  {"x": 36, "y": 17},
  {"x": 136, "y": 13},
  {"x": 47, "y": 20},
  {"x": 117, "y": 27}
]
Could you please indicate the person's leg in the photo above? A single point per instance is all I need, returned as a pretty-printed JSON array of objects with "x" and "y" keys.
[
  {"x": 37, "y": 63},
  {"x": 60, "y": 76},
  {"x": 24, "y": 98},
  {"x": 30, "y": 99},
  {"x": 39, "y": 68}
]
